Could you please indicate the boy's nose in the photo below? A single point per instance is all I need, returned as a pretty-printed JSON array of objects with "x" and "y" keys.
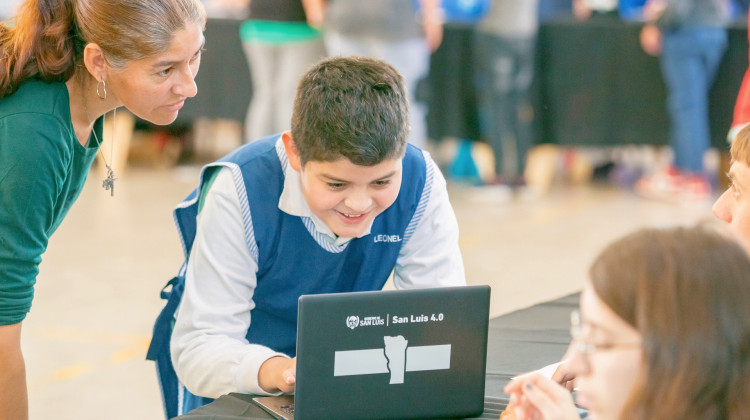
[
  {"x": 721, "y": 207},
  {"x": 358, "y": 202}
]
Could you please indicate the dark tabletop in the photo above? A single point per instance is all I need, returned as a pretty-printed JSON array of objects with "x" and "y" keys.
[{"x": 518, "y": 342}]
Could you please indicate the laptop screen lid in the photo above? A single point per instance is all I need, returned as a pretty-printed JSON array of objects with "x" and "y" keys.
[{"x": 392, "y": 354}]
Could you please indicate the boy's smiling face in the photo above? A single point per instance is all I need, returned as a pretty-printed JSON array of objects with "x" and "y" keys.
[{"x": 345, "y": 196}]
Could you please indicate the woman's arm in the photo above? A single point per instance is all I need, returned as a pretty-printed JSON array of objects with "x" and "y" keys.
[{"x": 14, "y": 403}]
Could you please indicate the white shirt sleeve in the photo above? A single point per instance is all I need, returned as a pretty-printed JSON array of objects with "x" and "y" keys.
[
  {"x": 431, "y": 257},
  {"x": 209, "y": 350}
]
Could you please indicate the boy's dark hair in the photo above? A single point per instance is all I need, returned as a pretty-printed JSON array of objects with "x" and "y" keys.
[{"x": 355, "y": 107}]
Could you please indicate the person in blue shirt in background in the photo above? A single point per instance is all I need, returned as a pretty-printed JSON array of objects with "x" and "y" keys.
[{"x": 336, "y": 204}]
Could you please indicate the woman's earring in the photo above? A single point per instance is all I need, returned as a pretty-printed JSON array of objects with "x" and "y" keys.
[{"x": 102, "y": 94}]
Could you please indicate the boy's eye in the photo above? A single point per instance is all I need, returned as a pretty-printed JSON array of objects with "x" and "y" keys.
[
  {"x": 335, "y": 185},
  {"x": 733, "y": 187}
]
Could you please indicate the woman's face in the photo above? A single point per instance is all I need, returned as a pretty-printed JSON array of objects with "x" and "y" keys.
[
  {"x": 155, "y": 88},
  {"x": 608, "y": 363}
]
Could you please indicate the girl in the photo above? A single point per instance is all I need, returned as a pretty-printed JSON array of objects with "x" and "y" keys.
[{"x": 663, "y": 333}]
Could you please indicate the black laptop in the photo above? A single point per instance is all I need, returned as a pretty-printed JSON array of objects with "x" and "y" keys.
[{"x": 389, "y": 355}]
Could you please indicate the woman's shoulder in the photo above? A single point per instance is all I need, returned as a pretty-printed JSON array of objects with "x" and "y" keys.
[
  {"x": 37, "y": 97},
  {"x": 37, "y": 116}
]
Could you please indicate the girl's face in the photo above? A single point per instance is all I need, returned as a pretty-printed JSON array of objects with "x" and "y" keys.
[
  {"x": 606, "y": 357},
  {"x": 155, "y": 88}
]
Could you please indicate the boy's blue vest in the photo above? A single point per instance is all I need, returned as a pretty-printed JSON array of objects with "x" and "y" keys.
[{"x": 294, "y": 259}]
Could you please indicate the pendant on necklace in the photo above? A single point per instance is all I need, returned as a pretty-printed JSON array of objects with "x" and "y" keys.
[{"x": 109, "y": 183}]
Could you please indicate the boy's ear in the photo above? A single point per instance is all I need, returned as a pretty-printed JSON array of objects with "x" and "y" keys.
[
  {"x": 93, "y": 59},
  {"x": 291, "y": 151}
]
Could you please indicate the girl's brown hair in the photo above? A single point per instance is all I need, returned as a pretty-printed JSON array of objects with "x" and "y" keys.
[
  {"x": 47, "y": 37},
  {"x": 687, "y": 292}
]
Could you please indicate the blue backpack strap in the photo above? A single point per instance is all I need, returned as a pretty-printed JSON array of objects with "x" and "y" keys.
[
  {"x": 177, "y": 400},
  {"x": 158, "y": 350}
]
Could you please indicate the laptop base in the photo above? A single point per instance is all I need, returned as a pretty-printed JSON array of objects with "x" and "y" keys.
[{"x": 280, "y": 407}]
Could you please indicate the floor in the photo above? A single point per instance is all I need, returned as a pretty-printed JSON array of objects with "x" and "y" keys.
[{"x": 98, "y": 289}]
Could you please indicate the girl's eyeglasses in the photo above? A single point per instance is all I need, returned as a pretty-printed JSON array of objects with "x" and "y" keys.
[{"x": 586, "y": 347}]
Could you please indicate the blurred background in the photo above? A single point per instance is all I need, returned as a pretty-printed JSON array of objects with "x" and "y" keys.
[{"x": 543, "y": 150}]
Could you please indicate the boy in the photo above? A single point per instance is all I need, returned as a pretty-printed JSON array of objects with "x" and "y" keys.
[
  {"x": 733, "y": 206},
  {"x": 335, "y": 205}
]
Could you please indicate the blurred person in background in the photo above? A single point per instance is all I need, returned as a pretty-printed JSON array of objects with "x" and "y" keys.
[
  {"x": 690, "y": 39},
  {"x": 505, "y": 46},
  {"x": 587, "y": 9},
  {"x": 554, "y": 9},
  {"x": 741, "y": 116},
  {"x": 401, "y": 32},
  {"x": 281, "y": 40}
]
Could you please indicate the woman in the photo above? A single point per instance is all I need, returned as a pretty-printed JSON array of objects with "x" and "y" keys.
[
  {"x": 663, "y": 333},
  {"x": 63, "y": 65}
]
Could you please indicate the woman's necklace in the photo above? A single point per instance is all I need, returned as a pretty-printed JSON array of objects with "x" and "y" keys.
[{"x": 109, "y": 182}]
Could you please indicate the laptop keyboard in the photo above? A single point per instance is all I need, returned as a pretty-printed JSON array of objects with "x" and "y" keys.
[{"x": 288, "y": 409}]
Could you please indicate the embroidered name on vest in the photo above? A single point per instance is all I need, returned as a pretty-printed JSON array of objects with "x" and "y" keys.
[{"x": 387, "y": 238}]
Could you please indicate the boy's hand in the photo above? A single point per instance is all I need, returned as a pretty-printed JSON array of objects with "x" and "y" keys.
[{"x": 278, "y": 374}]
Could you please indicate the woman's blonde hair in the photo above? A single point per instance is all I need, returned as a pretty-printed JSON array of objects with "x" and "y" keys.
[{"x": 47, "y": 37}]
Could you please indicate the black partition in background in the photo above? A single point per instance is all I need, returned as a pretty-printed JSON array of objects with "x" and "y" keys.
[{"x": 593, "y": 84}]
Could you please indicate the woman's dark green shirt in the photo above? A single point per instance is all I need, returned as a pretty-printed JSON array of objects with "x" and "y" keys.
[{"x": 43, "y": 167}]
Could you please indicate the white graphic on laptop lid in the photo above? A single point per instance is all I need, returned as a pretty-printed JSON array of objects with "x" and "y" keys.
[{"x": 395, "y": 358}]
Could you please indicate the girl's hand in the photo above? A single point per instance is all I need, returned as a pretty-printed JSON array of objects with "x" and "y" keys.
[{"x": 534, "y": 397}]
